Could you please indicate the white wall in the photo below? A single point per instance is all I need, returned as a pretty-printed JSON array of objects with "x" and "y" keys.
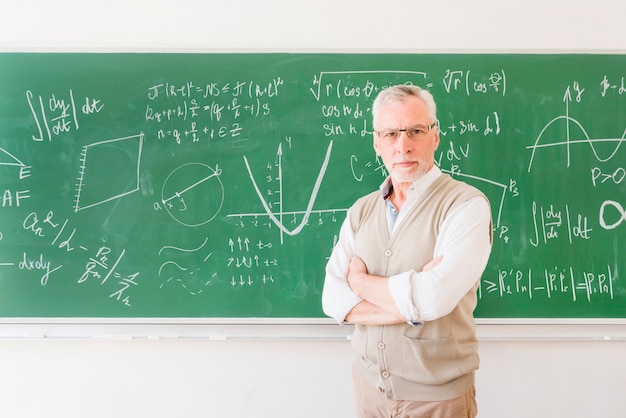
[
  {"x": 189, "y": 379},
  {"x": 200, "y": 378},
  {"x": 450, "y": 25}
]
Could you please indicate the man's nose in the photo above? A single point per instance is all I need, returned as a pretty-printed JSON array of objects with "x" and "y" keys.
[{"x": 404, "y": 144}]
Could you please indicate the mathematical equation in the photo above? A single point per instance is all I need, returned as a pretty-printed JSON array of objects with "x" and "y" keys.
[
  {"x": 100, "y": 265},
  {"x": 550, "y": 221},
  {"x": 345, "y": 98},
  {"x": 211, "y": 110},
  {"x": 552, "y": 282},
  {"x": 59, "y": 113}
]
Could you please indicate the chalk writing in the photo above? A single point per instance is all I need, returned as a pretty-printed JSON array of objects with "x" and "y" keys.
[
  {"x": 39, "y": 264},
  {"x": 116, "y": 150},
  {"x": 210, "y": 111},
  {"x": 609, "y": 87},
  {"x": 57, "y": 233},
  {"x": 183, "y": 270},
  {"x": 568, "y": 141},
  {"x": 619, "y": 214},
  {"x": 278, "y": 220},
  {"x": 548, "y": 222},
  {"x": 12, "y": 197},
  {"x": 470, "y": 83},
  {"x": 552, "y": 283},
  {"x": 58, "y": 113},
  {"x": 215, "y": 185}
]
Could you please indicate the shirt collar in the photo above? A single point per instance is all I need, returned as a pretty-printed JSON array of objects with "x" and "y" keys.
[{"x": 418, "y": 187}]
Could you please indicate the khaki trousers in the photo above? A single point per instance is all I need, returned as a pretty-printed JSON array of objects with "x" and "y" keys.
[{"x": 372, "y": 403}]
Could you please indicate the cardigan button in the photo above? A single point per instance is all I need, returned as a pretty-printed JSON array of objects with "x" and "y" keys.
[
  {"x": 388, "y": 253},
  {"x": 381, "y": 346},
  {"x": 385, "y": 374}
]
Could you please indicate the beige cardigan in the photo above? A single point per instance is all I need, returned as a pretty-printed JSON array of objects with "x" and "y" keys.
[{"x": 435, "y": 361}]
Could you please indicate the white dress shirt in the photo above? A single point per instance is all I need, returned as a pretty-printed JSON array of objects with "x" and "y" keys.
[{"x": 463, "y": 241}]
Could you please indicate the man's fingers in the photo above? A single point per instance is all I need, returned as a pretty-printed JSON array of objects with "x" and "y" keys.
[{"x": 433, "y": 263}]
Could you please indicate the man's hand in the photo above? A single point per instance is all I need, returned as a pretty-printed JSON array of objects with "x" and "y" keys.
[
  {"x": 373, "y": 289},
  {"x": 433, "y": 263},
  {"x": 356, "y": 270}
]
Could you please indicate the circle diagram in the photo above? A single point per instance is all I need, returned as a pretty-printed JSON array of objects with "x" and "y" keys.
[{"x": 193, "y": 194}]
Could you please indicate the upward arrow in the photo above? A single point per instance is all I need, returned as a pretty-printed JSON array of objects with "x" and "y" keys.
[
  {"x": 280, "y": 184},
  {"x": 567, "y": 97}
]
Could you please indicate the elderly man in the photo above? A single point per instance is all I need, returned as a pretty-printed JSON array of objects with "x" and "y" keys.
[{"x": 406, "y": 268}]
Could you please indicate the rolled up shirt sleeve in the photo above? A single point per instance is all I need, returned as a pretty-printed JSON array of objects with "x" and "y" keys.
[
  {"x": 338, "y": 298},
  {"x": 464, "y": 241}
]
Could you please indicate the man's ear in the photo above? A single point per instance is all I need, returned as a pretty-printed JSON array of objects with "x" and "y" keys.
[
  {"x": 437, "y": 139},
  {"x": 375, "y": 144}
]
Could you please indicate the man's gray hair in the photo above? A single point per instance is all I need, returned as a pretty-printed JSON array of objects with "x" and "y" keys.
[{"x": 399, "y": 93}]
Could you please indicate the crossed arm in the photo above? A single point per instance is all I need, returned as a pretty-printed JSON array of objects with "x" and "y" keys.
[
  {"x": 377, "y": 306},
  {"x": 352, "y": 295}
]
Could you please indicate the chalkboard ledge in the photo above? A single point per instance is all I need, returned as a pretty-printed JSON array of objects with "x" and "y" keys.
[
  {"x": 535, "y": 329},
  {"x": 288, "y": 329},
  {"x": 213, "y": 329}
]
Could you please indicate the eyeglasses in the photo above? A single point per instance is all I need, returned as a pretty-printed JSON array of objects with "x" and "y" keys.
[{"x": 412, "y": 132}]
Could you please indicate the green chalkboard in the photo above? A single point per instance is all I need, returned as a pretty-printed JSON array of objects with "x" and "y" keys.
[{"x": 214, "y": 185}]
